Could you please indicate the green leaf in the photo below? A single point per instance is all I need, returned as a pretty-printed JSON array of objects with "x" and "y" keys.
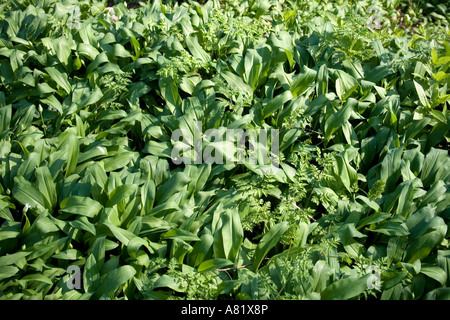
[
  {"x": 120, "y": 234},
  {"x": 322, "y": 80},
  {"x": 339, "y": 118},
  {"x": 135, "y": 244},
  {"x": 435, "y": 161},
  {"x": 44, "y": 225},
  {"x": 26, "y": 193},
  {"x": 47, "y": 187},
  {"x": 439, "y": 116},
  {"x": 91, "y": 275},
  {"x": 98, "y": 250},
  {"x": 120, "y": 193},
  {"x": 69, "y": 254},
  {"x": 37, "y": 277},
  {"x": 200, "y": 250},
  {"x": 168, "y": 282},
  {"x": 60, "y": 78},
  {"x": 120, "y": 51},
  {"x": 216, "y": 263},
  {"x": 5, "y": 118},
  {"x": 443, "y": 261},
  {"x": 10, "y": 259},
  {"x": 420, "y": 247},
  {"x": 302, "y": 81},
  {"x": 10, "y": 230},
  {"x": 229, "y": 236},
  {"x": 237, "y": 83},
  {"x": 87, "y": 50},
  {"x": 7, "y": 272},
  {"x": 119, "y": 160},
  {"x": 82, "y": 223},
  {"x": 196, "y": 50},
  {"x": 268, "y": 241},
  {"x": 438, "y": 294},
  {"x": 276, "y": 103},
  {"x": 435, "y": 273},
  {"x": 170, "y": 187},
  {"x": 159, "y": 149},
  {"x": 114, "y": 279},
  {"x": 345, "y": 289},
  {"x": 180, "y": 234},
  {"x": 148, "y": 193},
  {"x": 109, "y": 68},
  {"x": 421, "y": 93},
  {"x": 81, "y": 206},
  {"x": 72, "y": 154},
  {"x": 28, "y": 166}
]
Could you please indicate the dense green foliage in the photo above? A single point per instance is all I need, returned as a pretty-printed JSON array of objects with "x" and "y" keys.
[{"x": 89, "y": 98}]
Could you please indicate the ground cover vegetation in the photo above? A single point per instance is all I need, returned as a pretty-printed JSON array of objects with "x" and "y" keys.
[{"x": 90, "y": 93}]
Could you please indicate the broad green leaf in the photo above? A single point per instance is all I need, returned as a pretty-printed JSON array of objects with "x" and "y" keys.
[
  {"x": 337, "y": 119},
  {"x": 114, "y": 279},
  {"x": 69, "y": 254},
  {"x": 435, "y": 160},
  {"x": 10, "y": 259},
  {"x": 321, "y": 273},
  {"x": 276, "y": 103},
  {"x": 268, "y": 241},
  {"x": 91, "y": 276},
  {"x": 229, "y": 236},
  {"x": 421, "y": 246},
  {"x": 81, "y": 206},
  {"x": 345, "y": 289},
  {"x": 46, "y": 186},
  {"x": 82, "y": 223},
  {"x": 322, "y": 80},
  {"x": 168, "y": 282},
  {"x": 135, "y": 244},
  {"x": 216, "y": 263},
  {"x": 148, "y": 193},
  {"x": 438, "y": 294},
  {"x": 302, "y": 82},
  {"x": 172, "y": 186},
  {"x": 87, "y": 50},
  {"x": 109, "y": 68},
  {"x": 421, "y": 93},
  {"x": 180, "y": 234},
  {"x": 26, "y": 193},
  {"x": 169, "y": 91},
  {"x": 178, "y": 250},
  {"x": 5, "y": 118},
  {"x": 98, "y": 249},
  {"x": 443, "y": 261},
  {"x": 60, "y": 78},
  {"x": 44, "y": 225},
  {"x": 378, "y": 73},
  {"x": 120, "y": 234},
  {"x": 119, "y": 160},
  {"x": 237, "y": 83},
  {"x": 438, "y": 115},
  {"x": 435, "y": 273},
  {"x": 28, "y": 166},
  {"x": 120, "y": 193},
  {"x": 200, "y": 250},
  {"x": 120, "y": 51},
  {"x": 7, "y": 272},
  {"x": 197, "y": 51},
  {"x": 159, "y": 149},
  {"x": 37, "y": 277}
]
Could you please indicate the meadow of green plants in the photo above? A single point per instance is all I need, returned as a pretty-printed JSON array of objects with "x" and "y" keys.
[{"x": 91, "y": 91}]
